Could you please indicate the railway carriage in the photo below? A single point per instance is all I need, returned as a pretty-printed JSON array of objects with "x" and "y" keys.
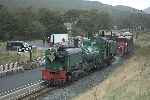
[{"x": 124, "y": 46}]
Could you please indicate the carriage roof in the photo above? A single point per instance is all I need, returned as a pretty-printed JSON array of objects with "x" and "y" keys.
[{"x": 73, "y": 50}]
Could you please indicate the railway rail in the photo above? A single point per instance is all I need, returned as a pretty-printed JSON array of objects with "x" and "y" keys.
[{"x": 23, "y": 91}]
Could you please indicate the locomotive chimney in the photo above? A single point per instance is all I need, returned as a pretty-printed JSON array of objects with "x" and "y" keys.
[
  {"x": 76, "y": 42},
  {"x": 103, "y": 34}
]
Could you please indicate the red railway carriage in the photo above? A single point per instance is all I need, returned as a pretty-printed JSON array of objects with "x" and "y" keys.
[{"x": 122, "y": 46}]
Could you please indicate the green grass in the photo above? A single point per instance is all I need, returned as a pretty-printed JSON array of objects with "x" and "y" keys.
[
  {"x": 12, "y": 56},
  {"x": 6, "y": 57},
  {"x": 2, "y": 45},
  {"x": 37, "y": 53}
]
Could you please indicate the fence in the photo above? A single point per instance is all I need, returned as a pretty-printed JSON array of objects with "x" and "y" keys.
[
  {"x": 17, "y": 67},
  {"x": 10, "y": 68}
]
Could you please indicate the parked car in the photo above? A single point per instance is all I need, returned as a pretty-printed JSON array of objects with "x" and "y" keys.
[{"x": 18, "y": 45}]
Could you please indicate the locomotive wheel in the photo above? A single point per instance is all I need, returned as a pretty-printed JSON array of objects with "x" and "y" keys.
[
  {"x": 62, "y": 83},
  {"x": 109, "y": 61},
  {"x": 50, "y": 84},
  {"x": 69, "y": 78}
]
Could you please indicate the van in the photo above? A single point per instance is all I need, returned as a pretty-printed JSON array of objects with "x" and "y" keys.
[{"x": 15, "y": 45}]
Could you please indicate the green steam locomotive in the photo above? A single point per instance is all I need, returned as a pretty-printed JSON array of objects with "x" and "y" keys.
[{"x": 66, "y": 64}]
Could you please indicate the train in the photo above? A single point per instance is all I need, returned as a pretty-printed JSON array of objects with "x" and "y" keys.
[
  {"x": 124, "y": 44},
  {"x": 65, "y": 64}
]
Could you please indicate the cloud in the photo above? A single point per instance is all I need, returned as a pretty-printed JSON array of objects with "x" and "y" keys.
[{"x": 139, "y": 4}]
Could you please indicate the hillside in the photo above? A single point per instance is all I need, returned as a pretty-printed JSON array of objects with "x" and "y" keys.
[
  {"x": 52, "y": 4},
  {"x": 65, "y": 4},
  {"x": 117, "y": 12},
  {"x": 147, "y": 10}
]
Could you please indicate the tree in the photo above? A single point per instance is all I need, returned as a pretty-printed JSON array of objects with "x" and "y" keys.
[
  {"x": 28, "y": 25},
  {"x": 136, "y": 21},
  {"x": 52, "y": 20},
  {"x": 7, "y": 23},
  {"x": 95, "y": 21},
  {"x": 72, "y": 15}
]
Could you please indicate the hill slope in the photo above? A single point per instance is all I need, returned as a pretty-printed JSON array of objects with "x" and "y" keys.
[
  {"x": 52, "y": 4},
  {"x": 117, "y": 12},
  {"x": 147, "y": 10},
  {"x": 64, "y": 4}
]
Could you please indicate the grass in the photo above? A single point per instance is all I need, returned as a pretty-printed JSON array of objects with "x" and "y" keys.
[
  {"x": 130, "y": 81},
  {"x": 7, "y": 57},
  {"x": 2, "y": 44},
  {"x": 12, "y": 56}
]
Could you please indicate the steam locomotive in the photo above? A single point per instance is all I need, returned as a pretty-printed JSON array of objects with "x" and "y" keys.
[{"x": 65, "y": 64}]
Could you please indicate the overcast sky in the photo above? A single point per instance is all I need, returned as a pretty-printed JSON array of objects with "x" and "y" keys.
[{"x": 138, "y": 4}]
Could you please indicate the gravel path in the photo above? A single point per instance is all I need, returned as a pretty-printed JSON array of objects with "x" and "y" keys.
[{"x": 81, "y": 85}]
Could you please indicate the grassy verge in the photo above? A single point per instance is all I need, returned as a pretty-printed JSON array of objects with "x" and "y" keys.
[
  {"x": 130, "y": 81},
  {"x": 2, "y": 45},
  {"x": 12, "y": 56}
]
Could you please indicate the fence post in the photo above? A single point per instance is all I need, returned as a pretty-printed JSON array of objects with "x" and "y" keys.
[
  {"x": 1, "y": 70},
  {"x": 6, "y": 68}
]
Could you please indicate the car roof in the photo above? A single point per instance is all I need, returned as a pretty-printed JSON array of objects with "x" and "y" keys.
[{"x": 16, "y": 41}]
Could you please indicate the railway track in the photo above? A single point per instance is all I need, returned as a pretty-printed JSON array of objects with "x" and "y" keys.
[{"x": 23, "y": 91}]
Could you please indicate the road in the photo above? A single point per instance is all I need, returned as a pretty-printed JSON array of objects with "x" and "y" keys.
[{"x": 19, "y": 79}]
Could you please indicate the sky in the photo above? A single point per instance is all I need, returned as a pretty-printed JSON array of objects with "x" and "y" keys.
[{"x": 138, "y": 4}]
